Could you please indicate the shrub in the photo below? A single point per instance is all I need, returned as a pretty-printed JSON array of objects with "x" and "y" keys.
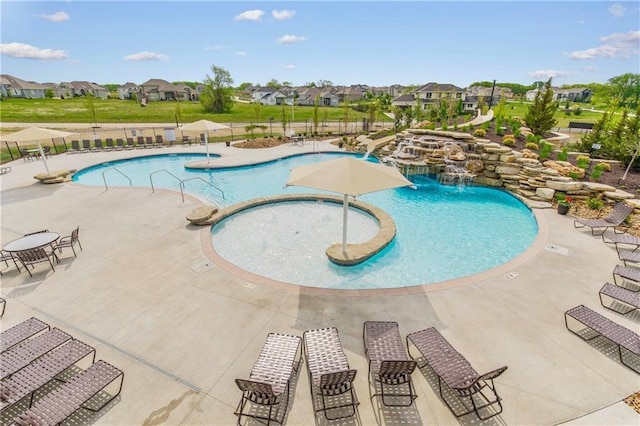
[
  {"x": 583, "y": 161},
  {"x": 594, "y": 203},
  {"x": 596, "y": 174},
  {"x": 499, "y": 131},
  {"x": 532, "y": 146},
  {"x": 533, "y": 138},
  {"x": 545, "y": 150},
  {"x": 574, "y": 175},
  {"x": 509, "y": 140},
  {"x": 605, "y": 167},
  {"x": 479, "y": 133},
  {"x": 455, "y": 127},
  {"x": 578, "y": 110},
  {"x": 563, "y": 155},
  {"x": 444, "y": 126}
]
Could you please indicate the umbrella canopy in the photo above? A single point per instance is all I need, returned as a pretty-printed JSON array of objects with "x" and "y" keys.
[
  {"x": 203, "y": 126},
  {"x": 36, "y": 134},
  {"x": 348, "y": 176}
]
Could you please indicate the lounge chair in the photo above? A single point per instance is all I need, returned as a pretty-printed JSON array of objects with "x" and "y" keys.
[
  {"x": 34, "y": 376},
  {"x": 21, "y": 332},
  {"x": 629, "y": 273},
  {"x": 619, "y": 299},
  {"x": 70, "y": 241},
  {"x": 629, "y": 256},
  {"x": 33, "y": 256},
  {"x": 330, "y": 377},
  {"x": 616, "y": 218},
  {"x": 86, "y": 145},
  {"x": 475, "y": 392},
  {"x": 59, "y": 404},
  {"x": 623, "y": 239},
  {"x": 159, "y": 141},
  {"x": 97, "y": 144},
  {"x": 148, "y": 142},
  {"x": 130, "y": 143},
  {"x": 20, "y": 356},
  {"x": 140, "y": 142},
  {"x": 119, "y": 144},
  {"x": 270, "y": 378},
  {"x": 186, "y": 140},
  {"x": 5, "y": 170},
  {"x": 25, "y": 154},
  {"x": 75, "y": 147},
  {"x": 592, "y": 325},
  {"x": 6, "y": 257},
  {"x": 389, "y": 363},
  {"x": 109, "y": 144}
]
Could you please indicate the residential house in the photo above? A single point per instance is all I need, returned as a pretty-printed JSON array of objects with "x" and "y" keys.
[
  {"x": 404, "y": 101},
  {"x": 126, "y": 90},
  {"x": 307, "y": 97},
  {"x": 261, "y": 92},
  {"x": 157, "y": 89},
  {"x": 275, "y": 98},
  {"x": 393, "y": 91},
  {"x": 80, "y": 88},
  {"x": 485, "y": 92},
  {"x": 575, "y": 94},
  {"x": 352, "y": 93},
  {"x": 430, "y": 93},
  {"x": 14, "y": 87}
]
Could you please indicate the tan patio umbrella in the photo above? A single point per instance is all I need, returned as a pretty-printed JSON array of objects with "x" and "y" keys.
[
  {"x": 36, "y": 134},
  {"x": 349, "y": 176},
  {"x": 204, "y": 126}
]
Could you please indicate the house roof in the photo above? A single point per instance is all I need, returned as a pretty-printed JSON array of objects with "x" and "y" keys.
[
  {"x": 436, "y": 87},
  {"x": 16, "y": 83},
  {"x": 86, "y": 85},
  {"x": 404, "y": 98}
]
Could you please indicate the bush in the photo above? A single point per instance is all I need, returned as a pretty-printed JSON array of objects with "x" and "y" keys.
[
  {"x": 596, "y": 174},
  {"x": 444, "y": 126},
  {"x": 574, "y": 175},
  {"x": 479, "y": 133},
  {"x": 605, "y": 167},
  {"x": 545, "y": 150},
  {"x": 577, "y": 111},
  {"x": 532, "y": 146},
  {"x": 594, "y": 203},
  {"x": 583, "y": 161},
  {"x": 533, "y": 138},
  {"x": 509, "y": 140},
  {"x": 563, "y": 155}
]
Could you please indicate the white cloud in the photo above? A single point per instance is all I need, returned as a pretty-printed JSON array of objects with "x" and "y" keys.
[
  {"x": 547, "y": 74},
  {"x": 146, "y": 56},
  {"x": 241, "y": 53},
  {"x": 288, "y": 66},
  {"x": 617, "y": 45},
  {"x": 56, "y": 17},
  {"x": 617, "y": 10},
  {"x": 290, "y": 39},
  {"x": 250, "y": 15},
  {"x": 216, "y": 47},
  {"x": 283, "y": 15},
  {"x": 22, "y": 50},
  {"x": 590, "y": 69}
]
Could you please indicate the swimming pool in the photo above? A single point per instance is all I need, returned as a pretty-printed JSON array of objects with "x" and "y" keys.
[{"x": 443, "y": 232}]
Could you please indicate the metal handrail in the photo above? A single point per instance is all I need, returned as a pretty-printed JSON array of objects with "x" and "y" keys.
[
  {"x": 113, "y": 168},
  {"x": 182, "y": 181}
]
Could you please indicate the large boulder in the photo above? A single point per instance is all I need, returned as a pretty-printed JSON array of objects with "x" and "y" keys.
[
  {"x": 200, "y": 215},
  {"x": 57, "y": 176}
]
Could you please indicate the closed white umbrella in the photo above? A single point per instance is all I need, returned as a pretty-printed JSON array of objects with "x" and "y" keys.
[
  {"x": 36, "y": 134},
  {"x": 204, "y": 126},
  {"x": 349, "y": 176}
]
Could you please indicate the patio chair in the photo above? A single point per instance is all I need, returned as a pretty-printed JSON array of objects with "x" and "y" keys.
[
  {"x": 619, "y": 299},
  {"x": 75, "y": 147},
  {"x": 270, "y": 379},
  {"x": 330, "y": 377},
  {"x": 109, "y": 144},
  {"x": 21, "y": 332},
  {"x": 97, "y": 144},
  {"x": 593, "y": 325},
  {"x": 5, "y": 170},
  {"x": 70, "y": 241},
  {"x": 86, "y": 145},
  {"x": 6, "y": 257},
  {"x": 47, "y": 151},
  {"x": 626, "y": 274},
  {"x": 33, "y": 256},
  {"x": 624, "y": 239},
  {"x": 186, "y": 140},
  {"x": 119, "y": 144},
  {"x": 140, "y": 142},
  {"x": 148, "y": 142},
  {"x": 34, "y": 376},
  {"x": 130, "y": 143},
  {"x": 202, "y": 139},
  {"x": 389, "y": 363},
  {"x": 159, "y": 141},
  {"x": 25, "y": 154},
  {"x": 475, "y": 392},
  {"x": 59, "y": 404},
  {"x": 616, "y": 218},
  {"x": 20, "y": 356}
]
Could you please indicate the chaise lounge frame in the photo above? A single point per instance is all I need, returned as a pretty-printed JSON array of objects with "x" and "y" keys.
[
  {"x": 455, "y": 372},
  {"x": 21, "y": 332},
  {"x": 615, "y": 295},
  {"x": 389, "y": 363},
  {"x": 329, "y": 372},
  {"x": 594, "y": 325},
  {"x": 618, "y": 215},
  {"x": 270, "y": 379}
]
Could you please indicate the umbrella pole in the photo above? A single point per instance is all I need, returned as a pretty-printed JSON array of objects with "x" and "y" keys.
[
  {"x": 206, "y": 143},
  {"x": 345, "y": 208},
  {"x": 44, "y": 159}
]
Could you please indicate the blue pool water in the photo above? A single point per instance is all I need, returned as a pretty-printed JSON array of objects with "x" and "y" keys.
[{"x": 443, "y": 232}]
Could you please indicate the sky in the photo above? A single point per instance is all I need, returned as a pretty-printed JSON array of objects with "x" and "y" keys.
[{"x": 377, "y": 43}]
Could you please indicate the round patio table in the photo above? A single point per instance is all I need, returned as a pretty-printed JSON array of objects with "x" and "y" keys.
[{"x": 33, "y": 241}]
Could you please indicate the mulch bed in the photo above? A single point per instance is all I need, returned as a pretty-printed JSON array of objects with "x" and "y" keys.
[{"x": 633, "y": 401}]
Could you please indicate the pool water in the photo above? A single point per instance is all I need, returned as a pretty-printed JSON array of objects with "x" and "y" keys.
[{"x": 443, "y": 232}]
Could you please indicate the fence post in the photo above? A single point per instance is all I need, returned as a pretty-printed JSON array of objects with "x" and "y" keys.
[
  {"x": 18, "y": 148},
  {"x": 9, "y": 149},
  {"x": 55, "y": 148}
]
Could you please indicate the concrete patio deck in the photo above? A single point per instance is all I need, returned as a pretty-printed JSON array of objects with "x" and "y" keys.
[{"x": 145, "y": 293}]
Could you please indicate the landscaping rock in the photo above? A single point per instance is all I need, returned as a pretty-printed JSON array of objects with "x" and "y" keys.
[{"x": 200, "y": 215}]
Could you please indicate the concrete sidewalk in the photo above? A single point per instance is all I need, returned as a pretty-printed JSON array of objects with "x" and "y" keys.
[{"x": 145, "y": 293}]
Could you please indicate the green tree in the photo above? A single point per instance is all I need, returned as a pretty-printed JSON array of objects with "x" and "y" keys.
[
  {"x": 625, "y": 89},
  {"x": 346, "y": 109},
  {"x": 398, "y": 116},
  {"x": 90, "y": 106},
  {"x": 244, "y": 85},
  {"x": 256, "y": 108},
  {"x": 417, "y": 110},
  {"x": 274, "y": 84},
  {"x": 216, "y": 96},
  {"x": 597, "y": 135},
  {"x": 284, "y": 119},
  {"x": 48, "y": 93},
  {"x": 372, "y": 110},
  {"x": 178, "y": 112},
  {"x": 540, "y": 115}
]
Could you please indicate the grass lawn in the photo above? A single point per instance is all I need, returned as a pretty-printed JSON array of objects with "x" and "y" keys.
[
  {"x": 519, "y": 109},
  {"x": 119, "y": 111}
]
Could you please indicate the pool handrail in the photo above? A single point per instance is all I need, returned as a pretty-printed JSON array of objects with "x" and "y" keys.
[
  {"x": 114, "y": 168},
  {"x": 182, "y": 181}
]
